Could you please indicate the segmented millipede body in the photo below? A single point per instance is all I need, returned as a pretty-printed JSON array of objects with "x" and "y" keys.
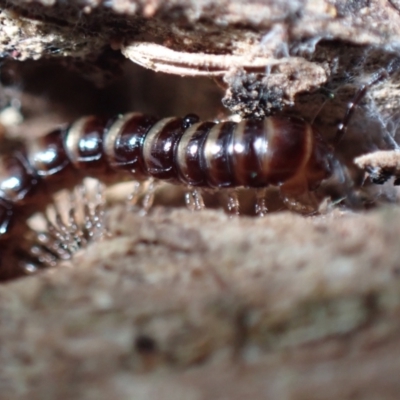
[{"x": 286, "y": 152}]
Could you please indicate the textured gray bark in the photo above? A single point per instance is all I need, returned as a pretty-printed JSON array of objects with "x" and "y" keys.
[{"x": 181, "y": 305}]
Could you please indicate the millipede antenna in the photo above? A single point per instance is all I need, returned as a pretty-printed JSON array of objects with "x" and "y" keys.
[{"x": 380, "y": 75}]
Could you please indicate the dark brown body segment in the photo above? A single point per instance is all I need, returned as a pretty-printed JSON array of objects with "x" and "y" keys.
[
  {"x": 17, "y": 180},
  {"x": 159, "y": 149},
  {"x": 249, "y": 149},
  {"x": 256, "y": 153},
  {"x": 289, "y": 148},
  {"x": 84, "y": 143},
  {"x": 189, "y": 154},
  {"x": 217, "y": 155},
  {"x": 123, "y": 142},
  {"x": 47, "y": 155}
]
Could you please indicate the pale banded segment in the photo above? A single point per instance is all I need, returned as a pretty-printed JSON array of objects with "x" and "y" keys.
[
  {"x": 210, "y": 147},
  {"x": 181, "y": 153},
  {"x": 73, "y": 137},
  {"x": 238, "y": 149},
  {"x": 308, "y": 146},
  {"x": 114, "y": 131},
  {"x": 151, "y": 137}
]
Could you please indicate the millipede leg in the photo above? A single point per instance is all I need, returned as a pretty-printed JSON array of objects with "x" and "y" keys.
[
  {"x": 233, "y": 203},
  {"x": 54, "y": 246},
  {"x": 134, "y": 197},
  {"x": 99, "y": 212},
  {"x": 28, "y": 266},
  {"x": 67, "y": 235},
  {"x": 193, "y": 199},
  {"x": 199, "y": 201},
  {"x": 142, "y": 197},
  {"x": 189, "y": 199},
  {"x": 43, "y": 257},
  {"x": 149, "y": 195},
  {"x": 66, "y": 232},
  {"x": 305, "y": 203},
  {"x": 94, "y": 212},
  {"x": 72, "y": 220},
  {"x": 261, "y": 206},
  {"x": 87, "y": 213},
  {"x": 56, "y": 235}
]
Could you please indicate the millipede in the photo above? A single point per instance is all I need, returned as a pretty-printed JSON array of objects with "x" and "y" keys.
[
  {"x": 282, "y": 151},
  {"x": 286, "y": 152}
]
